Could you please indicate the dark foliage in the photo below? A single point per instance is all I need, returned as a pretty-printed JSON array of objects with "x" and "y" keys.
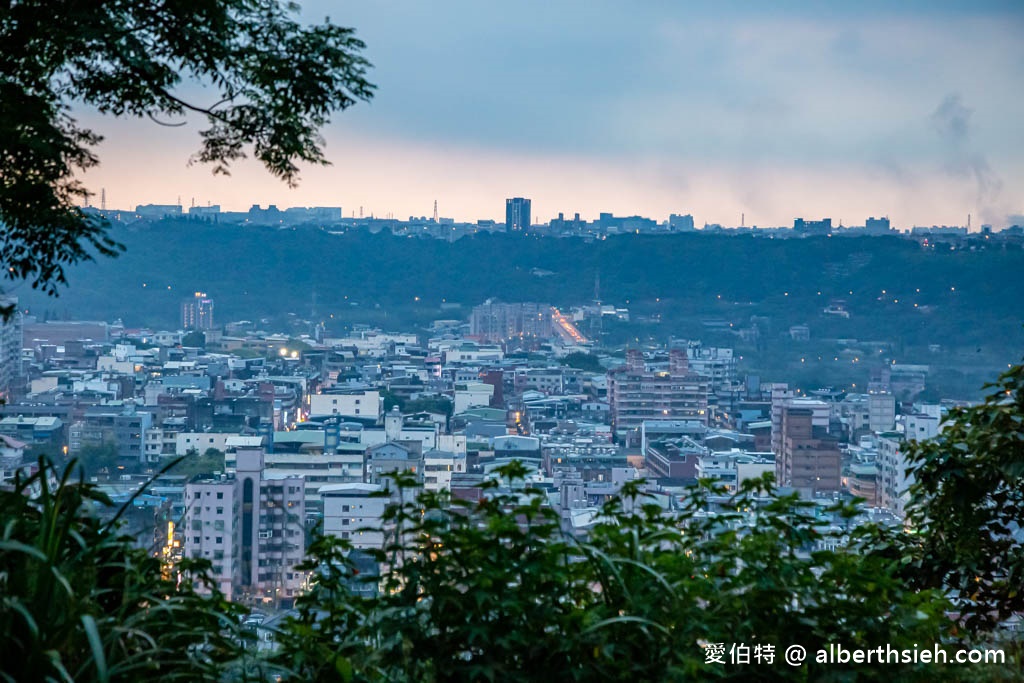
[
  {"x": 968, "y": 505},
  {"x": 79, "y": 603}
]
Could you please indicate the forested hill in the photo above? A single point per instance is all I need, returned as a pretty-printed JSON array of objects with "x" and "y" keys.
[{"x": 255, "y": 272}]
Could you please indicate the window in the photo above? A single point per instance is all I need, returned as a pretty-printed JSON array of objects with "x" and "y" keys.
[
  {"x": 220, "y": 495},
  {"x": 220, "y": 511},
  {"x": 344, "y": 522},
  {"x": 196, "y": 539},
  {"x": 345, "y": 508},
  {"x": 219, "y": 539}
]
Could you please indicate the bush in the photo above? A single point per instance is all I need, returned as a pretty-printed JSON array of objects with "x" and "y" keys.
[
  {"x": 79, "y": 603},
  {"x": 495, "y": 591}
]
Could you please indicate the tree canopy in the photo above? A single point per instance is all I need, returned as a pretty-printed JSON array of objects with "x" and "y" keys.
[
  {"x": 581, "y": 360},
  {"x": 967, "y": 504},
  {"x": 271, "y": 84}
]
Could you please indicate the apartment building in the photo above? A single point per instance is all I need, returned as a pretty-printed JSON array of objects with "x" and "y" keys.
[
  {"x": 636, "y": 394},
  {"x": 251, "y": 526},
  {"x": 809, "y": 460}
]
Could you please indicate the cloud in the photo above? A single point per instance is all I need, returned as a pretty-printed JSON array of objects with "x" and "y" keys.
[
  {"x": 952, "y": 119},
  {"x": 952, "y": 122}
]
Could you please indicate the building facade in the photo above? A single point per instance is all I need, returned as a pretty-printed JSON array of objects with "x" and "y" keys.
[
  {"x": 361, "y": 403},
  {"x": 197, "y": 312},
  {"x": 11, "y": 340},
  {"x": 636, "y": 394},
  {"x": 251, "y": 527},
  {"x": 810, "y": 460},
  {"x": 496, "y": 321},
  {"x": 517, "y": 214}
]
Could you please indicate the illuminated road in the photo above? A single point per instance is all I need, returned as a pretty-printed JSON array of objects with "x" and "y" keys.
[{"x": 565, "y": 329}]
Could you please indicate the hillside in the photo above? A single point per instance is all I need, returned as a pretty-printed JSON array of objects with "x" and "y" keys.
[{"x": 965, "y": 299}]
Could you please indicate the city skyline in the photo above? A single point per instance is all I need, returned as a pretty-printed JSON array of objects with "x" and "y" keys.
[
  {"x": 654, "y": 109},
  {"x": 324, "y": 213}
]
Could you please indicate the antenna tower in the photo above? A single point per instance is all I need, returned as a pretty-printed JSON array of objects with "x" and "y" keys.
[
  {"x": 103, "y": 199},
  {"x": 435, "y": 210}
]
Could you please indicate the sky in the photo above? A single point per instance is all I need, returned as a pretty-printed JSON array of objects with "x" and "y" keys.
[{"x": 733, "y": 112}]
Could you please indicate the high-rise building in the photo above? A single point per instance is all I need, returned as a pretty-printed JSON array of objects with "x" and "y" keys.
[
  {"x": 517, "y": 214},
  {"x": 494, "y": 321},
  {"x": 10, "y": 348},
  {"x": 197, "y": 312},
  {"x": 251, "y": 527}
]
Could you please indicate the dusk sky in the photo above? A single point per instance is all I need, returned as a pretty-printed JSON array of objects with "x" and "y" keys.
[{"x": 829, "y": 109}]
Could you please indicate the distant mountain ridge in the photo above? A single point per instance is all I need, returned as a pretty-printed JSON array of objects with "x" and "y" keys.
[{"x": 255, "y": 272}]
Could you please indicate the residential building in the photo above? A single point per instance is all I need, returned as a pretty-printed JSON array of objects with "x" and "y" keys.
[
  {"x": 636, "y": 394},
  {"x": 675, "y": 460},
  {"x": 717, "y": 364},
  {"x": 117, "y": 423},
  {"x": 385, "y": 460},
  {"x": 360, "y": 403},
  {"x": 252, "y": 529},
  {"x": 495, "y": 321},
  {"x": 45, "y": 431},
  {"x": 809, "y": 460},
  {"x": 11, "y": 342},
  {"x": 439, "y": 467},
  {"x": 355, "y": 512},
  {"x": 892, "y": 479},
  {"x": 862, "y": 482},
  {"x": 881, "y": 412}
]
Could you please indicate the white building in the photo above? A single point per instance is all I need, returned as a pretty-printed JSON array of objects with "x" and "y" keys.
[
  {"x": 732, "y": 468},
  {"x": 717, "y": 364},
  {"x": 920, "y": 426},
  {"x": 892, "y": 481},
  {"x": 361, "y": 403},
  {"x": 472, "y": 395},
  {"x": 316, "y": 469},
  {"x": 395, "y": 429},
  {"x": 438, "y": 467},
  {"x": 201, "y": 442},
  {"x": 881, "y": 412}
]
